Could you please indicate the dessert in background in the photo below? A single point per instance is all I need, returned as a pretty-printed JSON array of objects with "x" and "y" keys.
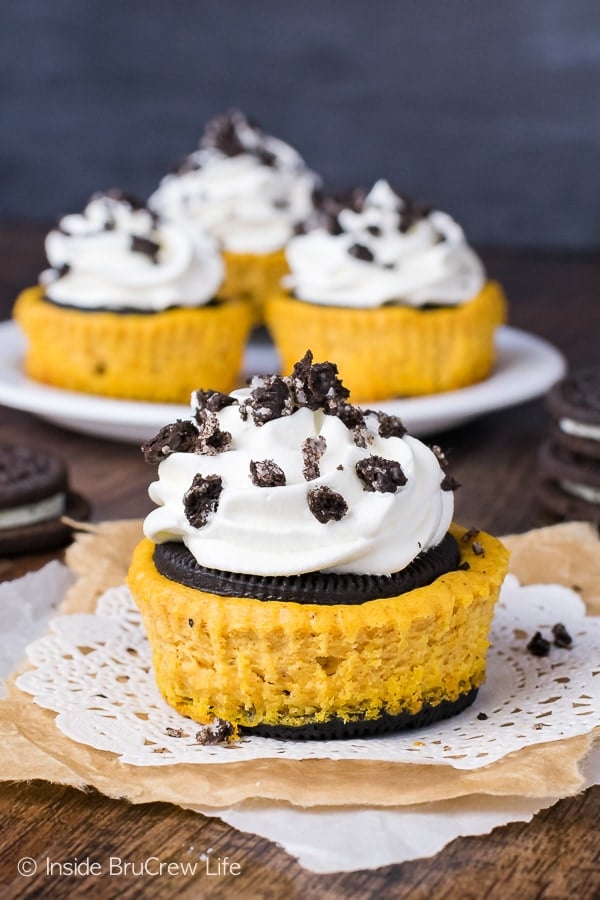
[
  {"x": 34, "y": 495},
  {"x": 250, "y": 191},
  {"x": 301, "y": 576},
  {"x": 130, "y": 307},
  {"x": 570, "y": 459},
  {"x": 394, "y": 293}
]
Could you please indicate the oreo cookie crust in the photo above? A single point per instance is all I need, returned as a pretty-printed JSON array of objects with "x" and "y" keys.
[
  {"x": 336, "y": 728},
  {"x": 174, "y": 561}
]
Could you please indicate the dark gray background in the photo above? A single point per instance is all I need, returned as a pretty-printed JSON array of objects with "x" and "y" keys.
[{"x": 490, "y": 110}]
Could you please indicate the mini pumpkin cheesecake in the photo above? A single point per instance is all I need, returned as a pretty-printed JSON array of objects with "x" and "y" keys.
[
  {"x": 301, "y": 576},
  {"x": 393, "y": 292},
  {"x": 130, "y": 307},
  {"x": 250, "y": 191}
]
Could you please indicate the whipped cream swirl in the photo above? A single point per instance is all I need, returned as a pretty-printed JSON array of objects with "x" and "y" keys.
[
  {"x": 246, "y": 188},
  {"x": 385, "y": 250},
  {"x": 117, "y": 254},
  {"x": 286, "y": 477}
]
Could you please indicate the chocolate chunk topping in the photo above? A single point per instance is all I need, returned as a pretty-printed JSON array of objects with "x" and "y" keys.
[
  {"x": 538, "y": 645},
  {"x": 361, "y": 252},
  {"x": 266, "y": 473},
  {"x": 449, "y": 483},
  {"x": 313, "y": 449},
  {"x": 562, "y": 638},
  {"x": 379, "y": 474},
  {"x": 217, "y": 732},
  {"x": 270, "y": 399},
  {"x": 214, "y": 401},
  {"x": 145, "y": 246},
  {"x": 202, "y": 498},
  {"x": 326, "y": 505},
  {"x": 317, "y": 386},
  {"x": 181, "y": 437},
  {"x": 390, "y": 426}
]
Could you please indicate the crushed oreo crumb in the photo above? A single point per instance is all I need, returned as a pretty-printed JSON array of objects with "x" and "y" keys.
[
  {"x": 326, "y": 505},
  {"x": 146, "y": 246},
  {"x": 449, "y": 483},
  {"x": 211, "y": 439},
  {"x": 482, "y": 716},
  {"x": 469, "y": 535},
  {"x": 266, "y": 473},
  {"x": 317, "y": 385},
  {"x": 202, "y": 499},
  {"x": 538, "y": 645},
  {"x": 375, "y": 230},
  {"x": 180, "y": 437},
  {"x": 191, "y": 623},
  {"x": 217, "y": 732},
  {"x": 213, "y": 401},
  {"x": 361, "y": 252},
  {"x": 465, "y": 566},
  {"x": 478, "y": 549},
  {"x": 390, "y": 426},
  {"x": 340, "y": 468},
  {"x": 174, "y": 732},
  {"x": 562, "y": 638},
  {"x": 270, "y": 399},
  {"x": 313, "y": 449},
  {"x": 439, "y": 455},
  {"x": 379, "y": 474}
]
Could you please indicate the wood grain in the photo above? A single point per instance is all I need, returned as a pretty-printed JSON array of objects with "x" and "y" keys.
[{"x": 555, "y": 856}]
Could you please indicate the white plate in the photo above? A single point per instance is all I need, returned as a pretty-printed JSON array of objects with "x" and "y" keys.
[{"x": 526, "y": 367}]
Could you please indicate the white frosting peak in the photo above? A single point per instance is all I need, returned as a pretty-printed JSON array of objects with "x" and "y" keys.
[
  {"x": 118, "y": 255},
  {"x": 276, "y": 530},
  {"x": 244, "y": 187},
  {"x": 387, "y": 252}
]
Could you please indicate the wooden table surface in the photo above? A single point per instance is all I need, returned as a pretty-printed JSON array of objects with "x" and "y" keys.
[{"x": 557, "y": 855}]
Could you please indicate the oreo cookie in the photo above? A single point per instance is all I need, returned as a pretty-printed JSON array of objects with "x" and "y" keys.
[
  {"x": 34, "y": 496},
  {"x": 570, "y": 461},
  {"x": 174, "y": 561},
  {"x": 336, "y": 728}
]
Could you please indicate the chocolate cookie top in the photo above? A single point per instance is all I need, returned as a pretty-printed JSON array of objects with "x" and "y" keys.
[
  {"x": 577, "y": 396},
  {"x": 28, "y": 475}
]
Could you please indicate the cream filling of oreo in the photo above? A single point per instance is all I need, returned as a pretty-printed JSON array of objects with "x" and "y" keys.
[
  {"x": 580, "y": 429},
  {"x": 582, "y": 491},
  {"x": 30, "y": 513}
]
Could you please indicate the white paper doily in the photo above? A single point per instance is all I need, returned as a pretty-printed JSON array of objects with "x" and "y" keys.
[{"x": 95, "y": 672}]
